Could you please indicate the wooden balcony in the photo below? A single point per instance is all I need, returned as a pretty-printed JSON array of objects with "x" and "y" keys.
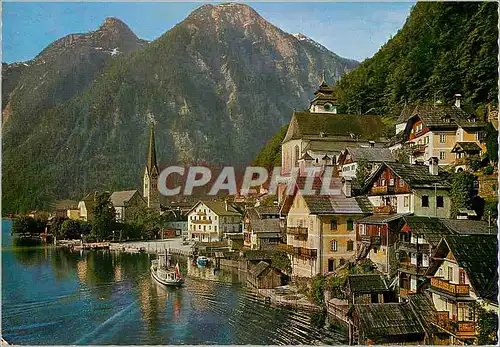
[
  {"x": 296, "y": 231},
  {"x": 403, "y": 292},
  {"x": 387, "y": 209},
  {"x": 461, "y": 329},
  {"x": 382, "y": 190},
  {"x": 412, "y": 247},
  {"x": 411, "y": 268},
  {"x": 201, "y": 221},
  {"x": 307, "y": 253},
  {"x": 371, "y": 240},
  {"x": 286, "y": 248},
  {"x": 450, "y": 288}
]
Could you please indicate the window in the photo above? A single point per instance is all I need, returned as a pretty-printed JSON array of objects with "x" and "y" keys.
[
  {"x": 425, "y": 201},
  {"x": 383, "y": 182},
  {"x": 215, "y": 228},
  {"x": 391, "y": 182},
  {"x": 406, "y": 201},
  {"x": 362, "y": 230},
  {"x": 334, "y": 245},
  {"x": 440, "y": 272},
  {"x": 461, "y": 275},
  {"x": 440, "y": 201},
  {"x": 413, "y": 284},
  {"x": 296, "y": 156},
  {"x": 442, "y": 155},
  {"x": 350, "y": 225},
  {"x": 425, "y": 260},
  {"x": 215, "y": 217},
  {"x": 442, "y": 138},
  {"x": 450, "y": 274},
  {"x": 350, "y": 245},
  {"x": 333, "y": 224},
  {"x": 401, "y": 183},
  {"x": 426, "y": 140}
]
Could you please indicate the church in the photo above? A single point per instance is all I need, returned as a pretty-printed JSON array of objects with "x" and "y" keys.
[{"x": 151, "y": 173}]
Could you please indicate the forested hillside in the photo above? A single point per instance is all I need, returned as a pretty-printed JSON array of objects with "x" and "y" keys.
[{"x": 444, "y": 48}]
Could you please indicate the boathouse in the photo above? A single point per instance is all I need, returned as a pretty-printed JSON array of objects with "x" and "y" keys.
[
  {"x": 264, "y": 276},
  {"x": 368, "y": 289}
]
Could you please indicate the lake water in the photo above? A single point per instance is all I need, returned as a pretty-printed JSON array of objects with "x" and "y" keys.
[{"x": 54, "y": 296}]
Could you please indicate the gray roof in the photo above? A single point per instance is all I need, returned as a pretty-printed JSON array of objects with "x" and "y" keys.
[
  {"x": 424, "y": 309},
  {"x": 477, "y": 255},
  {"x": 259, "y": 268},
  {"x": 265, "y": 225},
  {"x": 430, "y": 228},
  {"x": 405, "y": 114},
  {"x": 387, "y": 319},
  {"x": 434, "y": 116},
  {"x": 218, "y": 207},
  {"x": 306, "y": 124},
  {"x": 122, "y": 197},
  {"x": 380, "y": 218},
  {"x": 468, "y": 226},
  {"x": 371, "y": 154},
  {"x": 416, "y": 176},
  {"x": 367, "y": 283}
]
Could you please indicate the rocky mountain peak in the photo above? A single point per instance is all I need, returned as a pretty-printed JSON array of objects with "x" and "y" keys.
[{"x": 117, "y": 28}]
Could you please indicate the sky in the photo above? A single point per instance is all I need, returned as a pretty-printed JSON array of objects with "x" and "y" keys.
[{"x": 351, "y": 30}]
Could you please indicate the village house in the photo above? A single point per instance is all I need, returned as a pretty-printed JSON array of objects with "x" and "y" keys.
[
  {"x": 127, "y": 204},
  {"x": 261, "y": 227},
  {"x": 463, "y": 152},
  {"x": 320, "y": 229},
  {"x": 463, "y": 274},
  {"x": 315, "y": 138},
  {"x": 405, "y": 188},
  {"x": 385, "y": 324},
  {"x": 86, "y": 206},
  {"x": 376, "y": 236},
  {"x": 373, "y": 157},
  {"x": 368, "y": 289},
  {"x": 433, "y": 130},
  {"x": 415, "y": 243},
  {"x": 210, "y": 221}
]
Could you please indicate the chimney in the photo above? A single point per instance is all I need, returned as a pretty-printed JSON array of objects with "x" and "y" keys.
[
  {"x": 433, "y": 166},
  {"x": 457, "y": 100},
  {"x": 347, "y": 186},
  {"x": 372, "y": 143}
]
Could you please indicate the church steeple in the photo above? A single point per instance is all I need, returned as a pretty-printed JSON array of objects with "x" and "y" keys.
[
  {"x": 324, "y": 99},
  {"x": 150, "y": 179},
  {"x": 151, "y": 160}
]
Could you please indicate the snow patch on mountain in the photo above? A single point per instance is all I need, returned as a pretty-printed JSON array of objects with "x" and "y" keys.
[{"x": 302, "y": 37}]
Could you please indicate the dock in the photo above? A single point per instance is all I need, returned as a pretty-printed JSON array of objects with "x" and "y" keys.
[{"x": 4, "y": 342}]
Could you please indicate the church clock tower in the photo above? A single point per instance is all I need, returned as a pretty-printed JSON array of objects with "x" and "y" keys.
[{"x": 151, "y": 193}]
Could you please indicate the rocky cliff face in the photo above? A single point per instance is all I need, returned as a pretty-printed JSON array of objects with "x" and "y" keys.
[{"x": 217, "y": 85}]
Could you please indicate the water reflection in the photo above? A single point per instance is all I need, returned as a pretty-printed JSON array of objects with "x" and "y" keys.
[{"x": 54, "y": 296}]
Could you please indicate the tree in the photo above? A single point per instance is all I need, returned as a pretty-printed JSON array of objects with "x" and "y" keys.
[
  {"x": 73, "y": 228},
  {"x": 103, "y": 216},
  {"x": 487, "y": 327},
  {"x": 491, "y": 143},
  {"x": 362, "y": 172},
  {"x": 148, "y": 221},
  {"x": 473, "y": 162},
  {"x": 55, "y": 226},
  {"x": 462, "y": 187},
  {"x": 27, "y": 225}
]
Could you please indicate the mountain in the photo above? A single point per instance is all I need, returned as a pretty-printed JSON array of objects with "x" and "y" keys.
[
  {"x": 444, "y": 48},
  {"x": 217, "y": 85}
]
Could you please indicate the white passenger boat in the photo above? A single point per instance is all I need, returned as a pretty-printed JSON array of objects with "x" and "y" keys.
[{"x": 164, "y": 274}]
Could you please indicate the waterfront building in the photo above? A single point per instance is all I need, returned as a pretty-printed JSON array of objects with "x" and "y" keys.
[
  {"x": 150, "y": 178},
  {"x": 264, "y": 276},
  {"x": 320, "y": 228},
  {"x": 405, "y": 188},
  {"x": 368, "y": 289},
  {"x": 86, "y": 205},
  {"x": 463, "y": 274},
  {"x": 127, "y": 204},
  {"x": 210, "y": 221},
  {"x": 261, "y": 227}
]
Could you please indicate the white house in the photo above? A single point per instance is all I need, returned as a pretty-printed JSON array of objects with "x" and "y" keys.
[{"x": 209, "y": 221}]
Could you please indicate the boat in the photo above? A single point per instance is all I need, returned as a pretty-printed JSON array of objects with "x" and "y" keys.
[
  {"x": 165, "y": 274},
  {"x": 202, "y": 261}
]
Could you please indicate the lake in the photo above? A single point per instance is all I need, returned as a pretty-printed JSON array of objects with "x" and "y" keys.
[{"x": 54, "y": 296}]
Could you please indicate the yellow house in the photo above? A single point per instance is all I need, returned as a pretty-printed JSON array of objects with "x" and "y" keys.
[
  {"x": 73, "y": 213},
  {"x": 320, "y": 228},
  {"x": 433, "y": 131}
]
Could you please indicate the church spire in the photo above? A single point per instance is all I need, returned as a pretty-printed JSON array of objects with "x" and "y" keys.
[{"x": 151, "y": 160}]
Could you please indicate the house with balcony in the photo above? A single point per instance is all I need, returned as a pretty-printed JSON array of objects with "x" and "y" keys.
[
  {"x": 463, "y": 274},
  {"x": 405, "y": 188},
  {"x": 415, "y": 242},
  {"x": 433, "y": 130},
  {"x": 376, "y": 236},
  {"x": 463, "y": 152},
  {"x": 320, "y": 228},
  {"x": 261, "y": 227},
  {"x": 211, "y": 221}
]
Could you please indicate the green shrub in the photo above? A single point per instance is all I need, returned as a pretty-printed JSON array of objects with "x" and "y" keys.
[{"x": 488, "y": 170}]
